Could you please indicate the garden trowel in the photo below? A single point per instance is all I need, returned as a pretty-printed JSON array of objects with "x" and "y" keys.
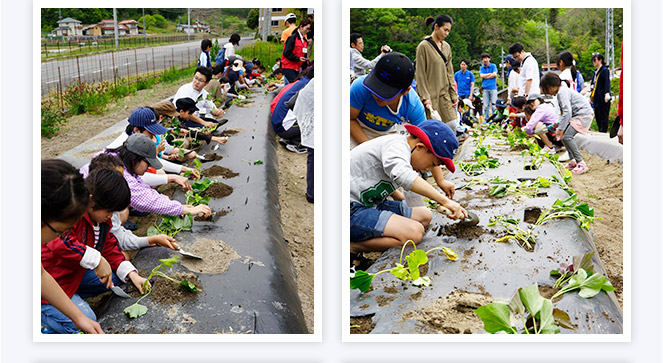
[
  {"x": 187, "y": 254},
  {"x": 119, "y": 292},
  {"x": 471, "y": 220}
]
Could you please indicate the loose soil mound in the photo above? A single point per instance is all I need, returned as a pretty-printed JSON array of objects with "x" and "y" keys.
[
  {"x": 213, "y": 157},
  {"x": 365, "y": 323},
  {"x": 218, "y": 190},
  {"x": 216, "y": 255},
  {"x": 460, "y": 231},
  {"x": 168, "y": 292},
  {"x": 452, "y": 314},
  {"x": 218, "y": 170},
  {"x": 212, "y": 217}
]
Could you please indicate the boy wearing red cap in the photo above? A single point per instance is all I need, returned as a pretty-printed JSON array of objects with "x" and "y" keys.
[{"x": 381, "y": 165}]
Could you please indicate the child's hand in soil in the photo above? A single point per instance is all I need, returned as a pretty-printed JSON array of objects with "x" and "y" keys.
[
  {"x": 104, "y": 272},
  {"x": 220, "y": 139},
  {"x": 182, "y": 182},
  {"x": 194, "y": 172},
  {"x": 199, "y": 209},
  {"x": 138, "y": 281},
  {"x": 162, "y": 240},
  {"x": 457, "y": 211},
  {"x": 448, "y": 188}
]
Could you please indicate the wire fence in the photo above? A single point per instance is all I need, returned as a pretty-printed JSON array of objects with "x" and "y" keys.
[{"x": 127, "y": 66}]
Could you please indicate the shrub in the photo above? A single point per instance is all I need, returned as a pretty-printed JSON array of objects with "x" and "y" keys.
[
  {"x": 86, "y": 97},
  {"x": 145, "y": 83},
  {"x": 51, "y": 117}
]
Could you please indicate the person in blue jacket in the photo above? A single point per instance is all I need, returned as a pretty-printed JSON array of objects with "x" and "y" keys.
[{"x": 282, "y": 120}]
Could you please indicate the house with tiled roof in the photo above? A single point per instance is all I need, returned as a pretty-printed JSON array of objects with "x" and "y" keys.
[
  {"x": 69, "y": 27},
  {"x": 106, "y": 27},
  {"x": 132, "y": 25}
]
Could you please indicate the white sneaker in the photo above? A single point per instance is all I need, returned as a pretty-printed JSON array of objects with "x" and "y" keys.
[{"x": 564, "y": 157}]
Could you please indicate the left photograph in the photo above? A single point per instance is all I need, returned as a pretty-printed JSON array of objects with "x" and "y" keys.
[{"x": 177, "y": 171}]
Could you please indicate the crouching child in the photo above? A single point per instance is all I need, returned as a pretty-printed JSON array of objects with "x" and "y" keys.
[
  {"x": 86, "y": 260},
  {"x": 381, "y": 165}
]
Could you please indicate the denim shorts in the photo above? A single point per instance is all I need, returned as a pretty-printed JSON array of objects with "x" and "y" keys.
[{"x": 368, "y": 223}]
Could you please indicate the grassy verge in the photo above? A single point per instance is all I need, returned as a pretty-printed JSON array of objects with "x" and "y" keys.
[
  {"x": 95, "y": 98},
  {"x": 266, "y": 52}
]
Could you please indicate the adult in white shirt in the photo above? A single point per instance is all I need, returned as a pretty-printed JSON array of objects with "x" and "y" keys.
[
  {"x": 529, "y": 70},
  {"x": 196, "y": 91},
  {"x": 514, "y": 79}
]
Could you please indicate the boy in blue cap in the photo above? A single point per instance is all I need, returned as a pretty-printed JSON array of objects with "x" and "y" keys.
[{"x": 381, "y": 165}]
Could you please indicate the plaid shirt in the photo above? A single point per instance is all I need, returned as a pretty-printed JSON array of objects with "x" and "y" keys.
[{"x": 146, "y": 199}]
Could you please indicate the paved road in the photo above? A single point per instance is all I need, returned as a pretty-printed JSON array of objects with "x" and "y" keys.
[{"x": 116, "y": 65}]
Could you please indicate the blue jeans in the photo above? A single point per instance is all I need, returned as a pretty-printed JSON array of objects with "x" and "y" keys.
[
  {"x": 52, "y": 319},
  {"x": 489, "y": 98},
  {"x": 92, "y": 286},
  {"x": 368, "y": 223}
]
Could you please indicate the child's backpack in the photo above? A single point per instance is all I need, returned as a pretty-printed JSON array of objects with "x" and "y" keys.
[{"x": 220, "y": 56}]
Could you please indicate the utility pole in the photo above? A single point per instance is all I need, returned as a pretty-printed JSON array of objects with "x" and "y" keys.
[
  {"x": 188, "y": 23},
  {"x": 502, "y": 65},
  {"x": 547, "y": 48},
  {"x": 267, "y": 23},
  {"x": 117, "y": 42},
  {"x": 610, "y": 40},
  {"x": 144, "y": 30}
]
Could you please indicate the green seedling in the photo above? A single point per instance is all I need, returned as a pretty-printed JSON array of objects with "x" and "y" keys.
[
  {"x": 527, "y": 188},
  {"x": 569, "y": 208},
  {"x": 565, "y": 272},
  {"x": 525, "y": 238},
  {"x": 257, "y": 162},
  {"x": 136, "y": 310},
  {"x": 362, "y": 280},
  {"x": 171, "y": 225},
  {"x": 536, "y": 313},
  {"x": 478, "y": 167},
  {"x": 474, "y": 181},
  {"x": 589, "y": 284},
  {"x": 194, "y": 196}
]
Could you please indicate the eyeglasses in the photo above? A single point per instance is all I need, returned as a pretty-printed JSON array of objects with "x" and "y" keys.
[
  {"x": 59, "y": 234},
  {"x": 200, "y": 80}
]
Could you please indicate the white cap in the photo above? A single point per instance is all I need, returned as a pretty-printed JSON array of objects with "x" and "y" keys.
[{"x": 290, "y": 16}]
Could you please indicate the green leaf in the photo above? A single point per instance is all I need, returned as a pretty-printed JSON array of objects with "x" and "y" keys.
[
  {"x": 152, "y": 231},
  {"x": 592, "y": 286},
  {"x": 188, "y": 286},
  {"x": 531, "y": 298},
  {"x": 414, "y": 260},
  {"x": 496, "y": 317},
  {"x": 546, "y": 324},
  {"x": 567, "y": 176},
  {"x": 543, "y": 182},
  {"x": 135, "y": 310},
  {"x": 188, "y": 222},
  {"x": 361, "y": 280},
  {"x": 585, "y": 209},
  {"x": 170, "y": 261},
  {"x": 584, "y": 262},
  {"x": 187, "y": 173},
  {"x": 498, "y": 191},
  {"x": 202, "y": 185},
  {"x": 257, "y": 162},
  {"x": 516, "y": 305},
  {"x": 450, "y": 254},
  {"x": 401, "y": 272},
  {"x": 197, "y": 163}
]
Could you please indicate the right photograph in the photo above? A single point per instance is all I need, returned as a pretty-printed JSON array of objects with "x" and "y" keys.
[{"x": 486, "y": 171}]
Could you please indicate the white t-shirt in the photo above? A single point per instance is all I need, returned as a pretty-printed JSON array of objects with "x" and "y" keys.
[
  {"x": 230, "y": 50},
  {"x": 514, "y": 82},
  {"x": 187, "y": 91},
  {"x": 529, "y": 70}
]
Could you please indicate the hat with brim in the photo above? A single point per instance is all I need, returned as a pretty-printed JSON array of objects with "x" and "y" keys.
[
  {"x": 143, "y": 146},
  {"x": 237, "y": 66},
  {"x": 392, "y": 75},
  {"x": 186, "y": 104},
  {"x": 145, "y": 118},
  {"x": 438, "y": 138},
  {"x": 468, "y": 103}
]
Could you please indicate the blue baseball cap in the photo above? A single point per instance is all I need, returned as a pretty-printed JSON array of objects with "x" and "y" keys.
[
  {"x": 438, "y": 138},
  {"x": 144, "y": 117}
]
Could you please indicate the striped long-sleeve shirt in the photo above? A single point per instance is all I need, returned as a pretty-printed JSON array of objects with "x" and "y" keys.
[{"x": 146, "y": 199}]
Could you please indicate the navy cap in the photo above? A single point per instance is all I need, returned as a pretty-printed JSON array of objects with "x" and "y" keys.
[
  {"x": 186, "y": 104},
  {"x": 392, "y": 75},
  {"x": 500, "y": 103},
  {"x": 438, "y": 138},
  {"x": 509, "y": 58},
  {"x": 142, "y": 145},
  {"x": 144, "y": 117}
]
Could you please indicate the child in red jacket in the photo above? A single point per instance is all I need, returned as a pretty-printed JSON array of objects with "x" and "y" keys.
[{"x": 83, "y": 260}]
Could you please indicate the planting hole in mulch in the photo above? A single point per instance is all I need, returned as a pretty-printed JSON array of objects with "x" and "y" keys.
[
  {"x": 230, "y": 132},
  {"x": 213, "y": 157},
  {"x": 452, "y": 314},
  {"x": 168, "y": 292},
  {"x": 548, "y": 292},
  {"x": 216, "y": 255},
  {"x": 218, "y": 190},
  {"x": 365, "y": 325},
  {"x": 460, "y": 231},
  {"x": 213, "y": 217},
  {"x": 218, "y": 170},
  {"x": 531, "y": 215}
]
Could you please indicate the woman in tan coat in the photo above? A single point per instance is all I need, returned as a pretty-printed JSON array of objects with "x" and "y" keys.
[{"x": 434, "y": 71}]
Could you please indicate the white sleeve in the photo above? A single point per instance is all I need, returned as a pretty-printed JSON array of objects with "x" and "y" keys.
[
  {"x": 124, "y": 269},
  {"x": 125, "y": 238},
  {"x": 202, "y": 60},
  {"x": 154, "y": 180},
  {"x": 171, "y": 167},
  {"x": 90, "y": 259},
  {"x": 397, "y": 166}
]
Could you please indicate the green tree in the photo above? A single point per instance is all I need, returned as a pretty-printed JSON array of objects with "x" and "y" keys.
[
  {"x": 252, "y": 18},
  {"x": 159, "y": 21},
  {"x": 149, "y": 21}
]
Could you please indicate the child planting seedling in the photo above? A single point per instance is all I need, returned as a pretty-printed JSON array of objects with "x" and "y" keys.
[
  {"x": 362, "y": 280},
  {"x": 136, "y": 310},
  {"x": 381, "y": 165}
]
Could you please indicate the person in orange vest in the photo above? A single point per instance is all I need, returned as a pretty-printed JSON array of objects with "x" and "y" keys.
[{"x": 291, "y": 21}]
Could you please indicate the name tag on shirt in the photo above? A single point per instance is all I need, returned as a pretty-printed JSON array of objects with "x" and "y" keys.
[{"x": 305, "y": 50}]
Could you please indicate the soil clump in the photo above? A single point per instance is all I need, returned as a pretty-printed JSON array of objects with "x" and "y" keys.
[
  {"x": 218, "y": 170},
  {"x": 452, "y": 314},
  {"x": 218, "y": 190},
  {"x": 216, "y": 255},
  {"x": 167, "y": 292},
  {"x": 365, "y": 325}
]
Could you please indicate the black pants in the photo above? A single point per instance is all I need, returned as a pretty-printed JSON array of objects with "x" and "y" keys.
[
  {"x": 602, "y": 112},
  {"x": 290, "y": 74},
  {"x": 293, "y": 135},
  {"x": 309, "y": 174}
]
